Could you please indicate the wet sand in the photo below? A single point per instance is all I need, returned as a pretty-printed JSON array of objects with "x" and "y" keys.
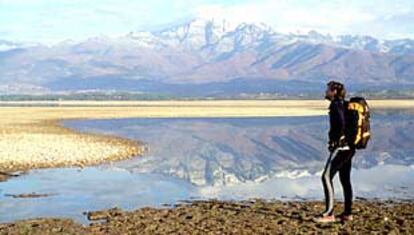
[{"x": 228, "y": 217}]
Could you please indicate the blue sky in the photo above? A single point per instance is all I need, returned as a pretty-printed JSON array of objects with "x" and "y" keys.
[{"x": 56, "y": 20}]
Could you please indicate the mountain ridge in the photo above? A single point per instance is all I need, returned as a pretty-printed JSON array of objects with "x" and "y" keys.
[{"x": 203, "y": 51}]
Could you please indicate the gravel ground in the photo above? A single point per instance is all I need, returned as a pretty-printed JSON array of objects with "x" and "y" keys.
[{"x": 228, "y": 217}]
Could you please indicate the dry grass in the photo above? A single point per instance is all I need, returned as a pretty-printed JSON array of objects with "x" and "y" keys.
[{"x": 31, "y": 137}]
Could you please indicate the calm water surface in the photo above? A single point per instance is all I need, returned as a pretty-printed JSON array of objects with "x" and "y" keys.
[{"x": 225, "y": 158}]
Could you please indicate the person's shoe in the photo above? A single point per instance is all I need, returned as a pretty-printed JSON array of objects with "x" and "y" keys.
[
  {"x": 324, "y": 219},
  {"x": 345, "y": 217}
]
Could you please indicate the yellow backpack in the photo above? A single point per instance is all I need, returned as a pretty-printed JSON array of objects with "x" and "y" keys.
[{"x": 358, "y": 130}]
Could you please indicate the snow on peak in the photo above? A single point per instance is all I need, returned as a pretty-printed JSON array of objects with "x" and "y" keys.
[{"x": 218, "y": 34}]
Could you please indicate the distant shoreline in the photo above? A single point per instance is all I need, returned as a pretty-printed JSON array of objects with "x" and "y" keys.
[{"x": 318, "y": 104}]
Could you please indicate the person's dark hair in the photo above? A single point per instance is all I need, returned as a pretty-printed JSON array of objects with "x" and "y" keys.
[{"x": 339, "y": 87}]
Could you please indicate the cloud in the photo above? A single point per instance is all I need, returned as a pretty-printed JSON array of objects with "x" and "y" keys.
[
  {"x": 334, "y": 17},
  {"x": 54, "y": 20}
]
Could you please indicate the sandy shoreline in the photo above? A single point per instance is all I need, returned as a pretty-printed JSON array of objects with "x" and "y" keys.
[
  {"x": 230, "y": 217},
  {"x": 47, "y": 144}
]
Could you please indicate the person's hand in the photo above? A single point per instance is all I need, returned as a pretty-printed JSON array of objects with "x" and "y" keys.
[
  {"x": 342, "y": 142},
  {"x": 331, "y": 146}
]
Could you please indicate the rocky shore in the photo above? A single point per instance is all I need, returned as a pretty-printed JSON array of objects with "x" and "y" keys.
[{"x": 230, "y": 217}]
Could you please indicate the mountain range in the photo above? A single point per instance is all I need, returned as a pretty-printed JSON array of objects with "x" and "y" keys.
[{"x": 207, "y": 57}]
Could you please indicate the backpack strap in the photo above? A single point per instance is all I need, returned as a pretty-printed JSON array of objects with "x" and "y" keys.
[
  {"x": 361, "y": 110},
  {"x": 356, "y": 106}
]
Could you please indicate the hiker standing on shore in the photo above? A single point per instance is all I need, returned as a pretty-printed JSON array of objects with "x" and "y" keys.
[{"x": 345, "y": 135}]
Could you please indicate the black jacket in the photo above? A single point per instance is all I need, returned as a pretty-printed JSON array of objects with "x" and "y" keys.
[{"x": 336, "y": 120}]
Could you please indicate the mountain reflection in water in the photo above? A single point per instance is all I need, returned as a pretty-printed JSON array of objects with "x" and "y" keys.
[
  {"x": 225, "y": 158},
  {"x": 222, "y": 151}
]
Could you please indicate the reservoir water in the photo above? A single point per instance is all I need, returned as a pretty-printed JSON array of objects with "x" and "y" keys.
[{"x": 224, "y": 158}]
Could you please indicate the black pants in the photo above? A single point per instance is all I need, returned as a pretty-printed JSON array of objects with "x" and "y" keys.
[{"x": 339, "y": 160}]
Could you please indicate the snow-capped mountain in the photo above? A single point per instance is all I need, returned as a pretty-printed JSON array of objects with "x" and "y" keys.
[
  {"x": 209, "y": 56},
  {"x": 202, "y": 33}
]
